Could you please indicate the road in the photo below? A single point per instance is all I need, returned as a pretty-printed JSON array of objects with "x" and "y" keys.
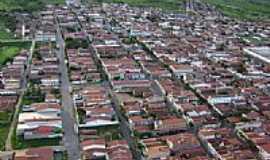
[
  {"x": 125, "y": 129},
  {"x": 71, "y": 139},
  {"x": 73, "y": 2},
  {"x": 8, "y": 144},
  {"x": 14, "y": 40},
  {"x": 124, "y": 125}
]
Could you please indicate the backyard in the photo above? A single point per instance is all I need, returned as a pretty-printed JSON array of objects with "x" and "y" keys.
[
  {"x": 20, "y": 143},
  {"x": 5, "y": 119},
  {"x": 10, "y": 50}
]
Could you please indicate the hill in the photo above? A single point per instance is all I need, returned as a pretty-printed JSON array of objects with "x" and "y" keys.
[
  {"x": 243, "y": 9},
  {"x": 26, "y": 5}
]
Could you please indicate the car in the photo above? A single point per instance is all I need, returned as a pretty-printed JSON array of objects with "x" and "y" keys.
[{"x": 70, "y": 89}]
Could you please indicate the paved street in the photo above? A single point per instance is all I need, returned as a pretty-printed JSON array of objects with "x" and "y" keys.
[
  {"x": 71, "y": 140},
  {"x": 8, "y": 144},
  {"x": 125, "y": 129},
  {"x": 124, "y": 126}
]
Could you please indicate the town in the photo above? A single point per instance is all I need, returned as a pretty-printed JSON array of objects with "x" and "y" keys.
[{"x": 117, "y": 82}]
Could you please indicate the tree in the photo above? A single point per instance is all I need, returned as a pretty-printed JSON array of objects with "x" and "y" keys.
[{"x": 76, "y": 43}]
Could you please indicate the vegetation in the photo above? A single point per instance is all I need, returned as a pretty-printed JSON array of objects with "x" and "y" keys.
[
  {"x": 5, "y": 118},
  {"x": 76, "y": 43},
  {"x": 20, "y": 143},
  {"x": 7, "y": 26},
  {"x": 254, "y": 39},
  {"x": 7, "y": 53},
  {"x": 171, "y": 5},
  {"x": 22, "y": 45},
  {"x": 243, "y": 9},
  {"x": 61, "y": 155},
  {"x": 5, "y": 33},
  {"x": 10, "y": 50},
  {"x": 26, "y": 5},
  {"x": 33, "y": 95},
  {"x": 81, "y": 115},
  {"x": 108, "y": 132}
]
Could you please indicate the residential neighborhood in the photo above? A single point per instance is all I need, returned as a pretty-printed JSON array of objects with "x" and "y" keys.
[{"x": 106, "y": 81}]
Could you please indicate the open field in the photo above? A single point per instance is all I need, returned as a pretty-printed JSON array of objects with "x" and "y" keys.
[
  {"x": 4, "y": 34},
  {"x": 7, "y": 53},
  {"x": 9, "y": 50},
  {"x": 243, "y": 9},
  {"x": 7, "y": 25}
]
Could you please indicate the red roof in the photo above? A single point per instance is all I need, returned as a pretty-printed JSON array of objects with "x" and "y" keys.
[{"x": 43, "y": 153}]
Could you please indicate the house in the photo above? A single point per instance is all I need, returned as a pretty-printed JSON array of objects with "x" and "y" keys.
[
  {"x": 155, "y": 148},
  {"x": 93, "y": 149},
  {"x": 139, "y": 121},
  {"x": 182, "y": 71},
  {"x": 98, "y": 121},
  {"x": 170, "y": 125},
  {"x": 7, "y": 102},
  {"x": 50, "y": 98},
  {"x": 185, "y": 145},
  {"x": 40, "y": 120},
  {"x": 132, "y": 108},
  {"x": 43, "y": 108},
  {"x": 42, "y": 153},
  {"x": 52, "y": 82},
  {"x": 119, "y": 150},
  {"x": 222, "y": 143},
  {"x": 127, "y": 85},
  {"x": 34, "y": 125},
  {"x": 42, "y": 132}
]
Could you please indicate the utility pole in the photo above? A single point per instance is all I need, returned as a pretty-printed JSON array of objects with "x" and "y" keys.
[
  {"x": 23, "y": 31},
  {"x": 187, "y": 6}
]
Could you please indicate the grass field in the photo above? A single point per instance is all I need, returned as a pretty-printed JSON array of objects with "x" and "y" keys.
[
  {"x": 168, "y": 5},
  {"x": 7, "y": 25},
  {"x": 5, "y": 118},
  {"x": 108, "y": 132},
  {"x": 9, "y": 50},
  {"x": 7, "y": 53},
  {"x": 243, "y": 9},
  {"x": 4, "y": 34},
  {"x": 20, "y": 143}
]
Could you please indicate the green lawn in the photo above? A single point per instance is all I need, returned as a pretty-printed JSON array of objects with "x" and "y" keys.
[
  {"x": 9, "y": 50},
  {"x": 7, "y": 53},
  {"x": 4, "y": 34},
  {"x": 56, "y": 2},
  {"x": 243, "y": 9},
  {"x": 5, "y": 118},
  {"x": 4, "y": 128},
  {"x": 168, "y": 5},
  {"x": 108, "y": 132},
  {"x": 20, "y": 143},
  {"x": 7, "y": 26}
]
